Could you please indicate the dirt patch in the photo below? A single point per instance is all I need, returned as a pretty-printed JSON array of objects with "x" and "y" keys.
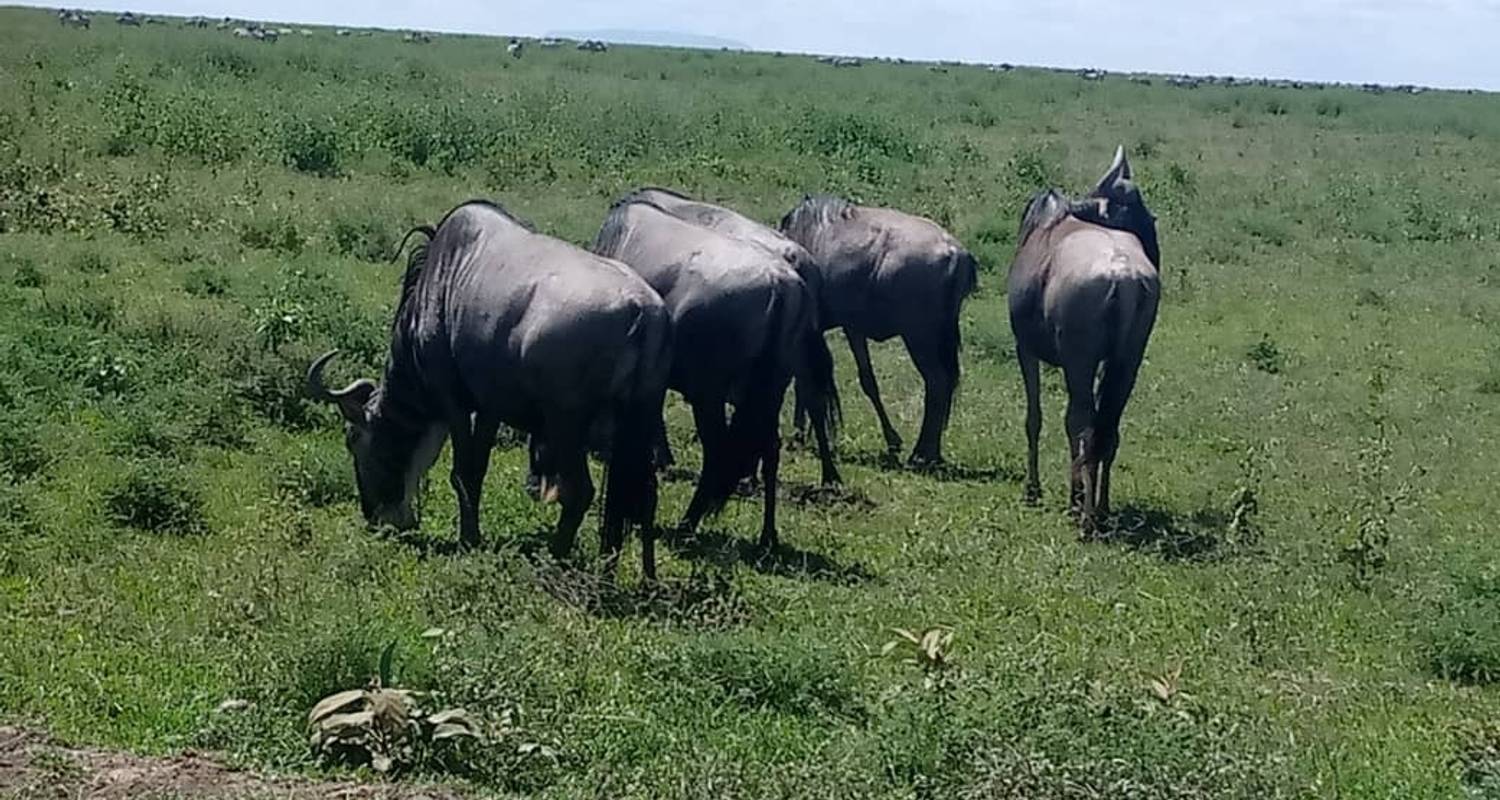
[{"x": 33, "y": 767}]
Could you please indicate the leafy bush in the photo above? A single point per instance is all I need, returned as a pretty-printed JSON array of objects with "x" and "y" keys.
[
  {"x": 27, "y": 276},
  {"x": 313, "y": 147},
  {"x": 21, "y": 452},
  {"x": 274, "y": 233},
  {"x": 92, "y": 262},
  {"x": 317, "y": 477},
  {"x": 367, "y": 239},
  {"x": 752, "y": 675},
  {"x": 205, "y": 281},
  {"x": 1463, "y": 640},
  {"x": 1265, "y": 356},
  {"x": 156, "y": 497}
]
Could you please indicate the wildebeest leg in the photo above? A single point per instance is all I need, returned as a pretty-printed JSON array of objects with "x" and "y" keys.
[
  {"x": 1114, "y": 392},
  {"x": 713, "y": 433},
  {"x": 938, "y": 383},
  {"x": 472, "y": 442},
  {"x": 770, "y": 464},
  {"x": 1080, "y": 380},
  {"x": 661, "y": 449},
  {"x": 799, "y": 417},
  {"x": 1032, "y": 379},
  {"x": 575, "y": 492},
  {"x": 831, "y": 475},
  {"x": 860, "y": 347}
]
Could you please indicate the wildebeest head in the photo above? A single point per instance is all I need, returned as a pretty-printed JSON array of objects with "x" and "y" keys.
[
  {"x": 1116, "y": 203},
  {"x": 387, "y": 464}
]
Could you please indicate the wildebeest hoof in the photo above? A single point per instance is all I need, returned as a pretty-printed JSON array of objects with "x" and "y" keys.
[
  {"x": 769, "y": 541},
  {"x": 925, "y": 463},
  {"x": 1032, "y": 495},
  {"x": 748, "y": 487}
]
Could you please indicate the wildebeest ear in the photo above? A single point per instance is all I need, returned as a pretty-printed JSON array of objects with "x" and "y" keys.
[
  {"x": 1119, "y": 172},
  {"x": 352, "y": 401}
]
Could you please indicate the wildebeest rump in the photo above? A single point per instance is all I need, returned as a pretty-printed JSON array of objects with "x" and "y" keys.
[
  {"x": 742, "y": 323},
  {"x": 732, "y": 223},
  {"x": 499, "y": 324},
  {"x": 885, "y": 273},
  {"x": 1083, "y": 293}
]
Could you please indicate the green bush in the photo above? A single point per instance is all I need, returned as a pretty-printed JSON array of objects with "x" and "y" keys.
[
  {"x": 156, "y": 497},
  {"x": 313, "y": 147},
  {"x": 367, "y": 238}
]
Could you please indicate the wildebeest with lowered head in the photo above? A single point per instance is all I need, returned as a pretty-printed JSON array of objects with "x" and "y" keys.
[
  {"x": 743, "y": 324},
  {"x": 886, "y": 273},
  {"x": 1084, "y": 288},
  {"x": 819, "y": 361},
  {"x": 500, "y": 324}
]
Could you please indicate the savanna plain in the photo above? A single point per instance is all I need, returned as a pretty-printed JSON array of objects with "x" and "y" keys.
[{"x": 1299, "y": 597}]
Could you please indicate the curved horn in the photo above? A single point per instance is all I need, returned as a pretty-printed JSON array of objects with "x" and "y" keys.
[
  {"x": 350, "y": 399},
  {"x": 1119, "y": 170},
  {"x": 316, "y": 389}
]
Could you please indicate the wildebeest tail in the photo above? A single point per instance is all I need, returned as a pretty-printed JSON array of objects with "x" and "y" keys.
[
  {"x": 630, "y": 490},
  {"x": 817, "y": 386},
  {"x": 963, "y": 279},
  {"x": 757, "y": 413}
]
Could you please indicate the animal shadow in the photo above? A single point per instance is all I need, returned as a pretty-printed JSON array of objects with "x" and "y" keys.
[
  {"x": 707, "y": 600},
  {"x": 1199, "y": 536},
  {"x": 810, "y": 494},
  {"x": 947, "y": 471},
  {"x": 724, "y": 551},
  {"x": 527, "y": 543}
]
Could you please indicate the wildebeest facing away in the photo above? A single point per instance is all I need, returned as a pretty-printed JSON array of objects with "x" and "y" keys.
[
  {"x": 732, "y": 223},
  {"x": 743, "y": 325},
  {"x": 1083, "y": 292},
  {"x": 498, "y": 324},
  {"x": 887, "y": 273},
  {"x": 75, "y": 19}
]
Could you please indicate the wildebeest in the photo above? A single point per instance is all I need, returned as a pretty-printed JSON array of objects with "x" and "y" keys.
[
  {"x": 514, "y": 48},
  {"x": 1083, "y": 292},
  {"x": 75, "y": 18},
  {"x": 128, "y": 18},
  {"x": 733, "y": 223},
  {"x": 887, "y": 273},
  {"x": 743, "y": 324},
  {"x": 498, "y": 324}
]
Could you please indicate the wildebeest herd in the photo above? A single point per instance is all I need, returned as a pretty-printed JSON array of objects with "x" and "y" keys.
[{"x": 498, "y": 324}]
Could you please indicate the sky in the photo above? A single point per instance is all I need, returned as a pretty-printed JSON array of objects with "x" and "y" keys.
[{"x": 1440, "y": 43}]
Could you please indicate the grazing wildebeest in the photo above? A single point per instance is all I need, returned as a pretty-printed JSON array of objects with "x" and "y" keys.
[
  {"x": 76, "y": 19},
  {"x": 1083, "y": 292},
  {"x": 500, "y": 324},
  {"x": 128, "y": 18},
  {"x": 743, "y": 325},
  {"x": 886, "y": 273},
  {"x": 514, "y": 48},
  {"x": 732, "y": 223}
]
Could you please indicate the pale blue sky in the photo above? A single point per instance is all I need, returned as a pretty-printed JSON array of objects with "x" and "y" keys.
[{"x": 1446, "y": 43}]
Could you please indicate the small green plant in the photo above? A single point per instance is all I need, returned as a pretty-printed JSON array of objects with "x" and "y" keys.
[
  {"x": 108, "y": 372},
  {"x": 1244, "y": 511},
  {"x": 366, "y": 239},
  {"x": 927, "y": 650},
  {"x": 1367, "y": 524},
  {"x": 92, "y": 262},
  {"x": 1266, "y": 356},
  {"x": 387, "y": 728},
  {"x": 156, "y": 497}
]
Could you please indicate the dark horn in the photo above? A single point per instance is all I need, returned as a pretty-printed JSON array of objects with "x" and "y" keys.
[{"x": 315, "y": 386}]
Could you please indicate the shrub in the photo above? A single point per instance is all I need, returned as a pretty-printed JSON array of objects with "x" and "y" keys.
[
  {"x": 107, "y": 371},
  {"x": 316, "y": 477},
  {"x": 313, "y": 147},
  {"x": 277, "y": 233},
  {"x": 156, "y": 497},
  {"x": 205, "y": 282},
  {"x": 1463, "y": 642},
  {"x": 21, "y": 454},
  {"x": 1265, "y": 356},
  {"x": 27, "y": 276},
  {"x": 367, "y": 239},
  {"x": 92, "y": 262}
]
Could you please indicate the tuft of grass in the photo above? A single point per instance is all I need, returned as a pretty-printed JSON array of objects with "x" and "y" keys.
[
  {"x": 156, "y": 497},
  {"x": 1266, "y": 356}
]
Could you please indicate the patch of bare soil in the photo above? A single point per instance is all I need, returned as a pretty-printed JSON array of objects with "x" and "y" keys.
[{"x": 34, "y": 767}]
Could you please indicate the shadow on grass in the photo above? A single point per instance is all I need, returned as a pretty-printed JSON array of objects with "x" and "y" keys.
[
  {"x": 528, "y": 543},
  {"x": 707, "y": 600},
  {"x": 1199, "y": 536},
  {"x": 725, "y": 551},
  {"x": 947, "y": 472}
]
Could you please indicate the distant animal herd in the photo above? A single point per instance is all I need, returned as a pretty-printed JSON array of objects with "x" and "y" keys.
[
  {"x": 500, "y": 325},
  {"x": 77, "y": 18}
]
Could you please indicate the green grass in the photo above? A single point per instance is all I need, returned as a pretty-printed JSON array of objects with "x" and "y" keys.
[{"x": 186, "y": 219}]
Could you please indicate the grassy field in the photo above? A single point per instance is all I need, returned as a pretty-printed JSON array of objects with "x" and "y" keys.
[{"x": 1303, "y": 598}]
